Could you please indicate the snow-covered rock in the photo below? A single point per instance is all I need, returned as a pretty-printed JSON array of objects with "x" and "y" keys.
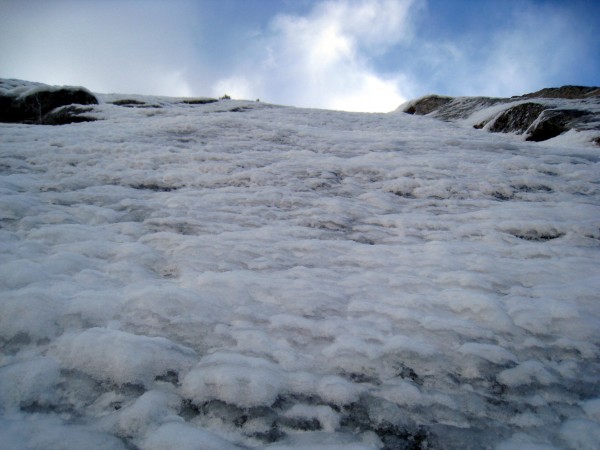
[
  {"x": 538, "y": 116},
  {"x": 42, "y": 104}
]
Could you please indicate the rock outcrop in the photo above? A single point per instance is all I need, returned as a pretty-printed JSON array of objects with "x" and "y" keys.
[
  {"x": 552, "y": 122},
  {"x": 516, "y": 119},
  {"x": 44, "y": 105},
  {"x": 569, "y": 92},
  {"x": 538, "y": 116},
  {"x": 428, "y": 104}
]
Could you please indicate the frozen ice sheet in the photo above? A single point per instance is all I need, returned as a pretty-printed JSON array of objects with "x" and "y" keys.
[{"x": 243, "y": 275}]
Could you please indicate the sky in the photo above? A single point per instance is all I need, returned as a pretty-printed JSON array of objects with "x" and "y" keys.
[{"x": 354, "y": 55}]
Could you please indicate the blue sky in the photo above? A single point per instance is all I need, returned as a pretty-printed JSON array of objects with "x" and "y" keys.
[{"x": 360, "y": 55}]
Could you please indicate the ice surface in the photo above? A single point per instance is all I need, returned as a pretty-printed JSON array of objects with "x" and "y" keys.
[
  {"x": 120, "y": 357},
  {"x": 179, "y": 436},
  {"x": 237, "y": 379},
  {"x": 40, "y": 433},
  {"x": 244, "y": 275},
  {"x": 27, "y": 383}
]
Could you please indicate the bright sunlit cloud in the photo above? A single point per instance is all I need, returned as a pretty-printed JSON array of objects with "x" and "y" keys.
[
  {"x": 322, "y": 60},
  {"x": 356, "y": 55}
]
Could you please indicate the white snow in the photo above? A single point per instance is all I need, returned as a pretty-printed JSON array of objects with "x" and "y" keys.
[
  {"x": 244, "y": 275},
  {"x": 236, "y": 379},
  {"x": 120, "y": 357},
  {"x": 179, "y": 436}
]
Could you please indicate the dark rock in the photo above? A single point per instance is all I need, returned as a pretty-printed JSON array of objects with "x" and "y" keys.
[
  {"x": 463, "y": 107},
  {"x": 517, "y": 118},
  {"x": 240, "y": 109},
  {"x": 9, "y": 110},
  {"x": 529, "y": 188},
  {"x": 154, "y": 187},
  {"x": 570, "y": 92},
  {"x": 5, "y": 107},
  {"x": 426, "y": 105},
  {"x": 299, "y": 423},
  {"x": 553, "y": 122},
  {"x": 66, "y": 114},
  {"x": 502, "y": 196},
  {"x": 537, "y": 236},
  {"x": 128, "y": 102},
  {"x": 199, "y": 101},
  {"x": 131, "y": 103},
  {"x": 33, "y": 107},
  {"x": 574, "y": 108},
  {"x": 408, "y": 373}
]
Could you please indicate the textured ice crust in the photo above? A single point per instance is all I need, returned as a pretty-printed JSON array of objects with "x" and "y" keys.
[
  {"x": 120, "y": 357},
  {"x": 242, "y": 275}
]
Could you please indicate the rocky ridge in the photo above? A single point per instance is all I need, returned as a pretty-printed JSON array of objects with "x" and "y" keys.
[
  {"x": 41, "y": 104},
  {"x": 537, "y": 116}
]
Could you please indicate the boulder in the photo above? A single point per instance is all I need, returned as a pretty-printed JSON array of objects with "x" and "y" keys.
[
  {"x": 550, "y": 112},
  {"x": 427, "y": 104},
  {"x": 553, "y": 122},
  {"x": 65, "y": 115},
  {"x": 517, "y": 119},
  {"x": 35, "y": 105},
  {"x": 9, "y": 112}
]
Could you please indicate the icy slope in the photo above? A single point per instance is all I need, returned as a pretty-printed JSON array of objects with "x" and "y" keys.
[{"x": 241, "y": 275}]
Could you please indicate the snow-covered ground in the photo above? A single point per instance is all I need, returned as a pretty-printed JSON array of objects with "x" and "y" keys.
[{"x": 243, "y": 275}]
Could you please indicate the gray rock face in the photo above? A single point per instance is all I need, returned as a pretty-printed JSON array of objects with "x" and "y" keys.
[
  {"x": 39, "y": 105},
  {"x": 570, "y": 92},
  {"x": 448, "y": 108},
  {"x": 517, "y": 118},
  {"x": 427, "y": 105},
  {"x": 65, "y": 115},
  {"x": 548, "y": 113},
  {"x": 551, "y": 123}
]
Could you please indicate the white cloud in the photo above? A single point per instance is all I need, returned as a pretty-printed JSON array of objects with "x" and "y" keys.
[
  {"x": 333, "y": 56},
  {"x": 529, "y": 49},
  {"x": 322, "y": 60},
  {"x": 529, "y": 55},
  {"x": 237, "y": 86},
  {"x": 131, "y": 47},
  {"x": 377, "y": 94}
]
